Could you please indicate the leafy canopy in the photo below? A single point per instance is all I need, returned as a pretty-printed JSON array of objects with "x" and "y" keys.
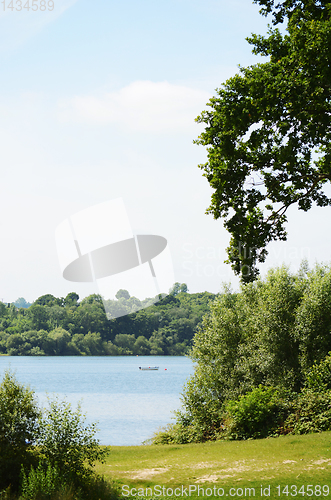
[
  {"x": 56, "y": 437},
  {"x": 66, "y": 442},
  {"x": 18, "y": 414},
  {"x": 275, "y": 333},
  {"x": 18, "y": 429},
  {"x": 268, "y": 132}
]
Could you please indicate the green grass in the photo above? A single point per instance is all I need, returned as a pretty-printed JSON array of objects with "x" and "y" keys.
[{"x": 289, "y": 460}]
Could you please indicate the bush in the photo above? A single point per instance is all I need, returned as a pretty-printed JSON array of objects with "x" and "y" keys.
[
  {"x": 176, "y": 434},
  {"x": 98, "y": 488},
  {"x": 311, "y": 412},
  {"x": 67, "y": 443},
  {"x": 59, "y": 467},
  {"x": 257, "y": 414},
  {"x": 40, "y": 483},
  {"x": 318, "y": 377},
  {"x": 18, "y": 430},
  {"x": 48, "y": 484}
]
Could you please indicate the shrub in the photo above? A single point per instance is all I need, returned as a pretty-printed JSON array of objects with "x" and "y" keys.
[
  {"x": 98, "y": 488},
  {"x": 67, "y": 443},
  {"x": 318, "y": 377},
  {"x": 18, "y": 429},
  {"x": 311, "y": 412},
  {"x": 176, "y": 434},
  {"x": 257, "y": 414},
  {"x": 46, "y": 483},
  {"x": 40, "y": 483},
  {"x": 60, "y": 467}
]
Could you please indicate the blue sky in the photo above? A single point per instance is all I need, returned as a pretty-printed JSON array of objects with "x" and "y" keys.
[{"x": 98, "y": 101}]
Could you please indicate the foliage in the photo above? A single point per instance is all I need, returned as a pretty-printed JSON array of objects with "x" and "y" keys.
[
  {"x": 66, "y": 327},
  {"x": 311, "y": 412},
  {"x": 99, "y": 488},
  {"x": 318, "y": 377},
  {"x": 314, "y": 317},
  {"x": 288, "y": 8},
  {"x": 48, "y": 299},
  {"x": 272, "y": 333},
  {"x": 267, "y": 133},
  {"x": 67, "y": 443},
  {"x": 262, "y": 412},
  {"x": 178, "y": 288},
  {"x": 175, "y": 434},
  {"x": 122, "y": 294},
  {"x": 21, "y": 302},
  {"x": 18, "y": 429},
  {"x": 41, "y": 483},
  {"x": 257, "y": 414},
  {"x": 46, "y": 483},
  {"x": 50, "y": 453}
]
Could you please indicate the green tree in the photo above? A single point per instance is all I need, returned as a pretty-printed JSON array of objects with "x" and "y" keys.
[
  {"x": 39, "y": 316},
  {"x": 18, "y": 429},
  {"x": 57, "y": 316},
  {"x": 3, "y": 309},
  {"x": 61, "y": 339},
  {"x": 15, "y": 344},
  {"x": 257, "y": 414},
  {"x": 115, "y": 308},
  {"x": 269, "y": 334},
  {"x": 122, "y": 294},
  {"x": 92, "y": 299},
  {"x": 67, "y": 443},
  {"x": 21, "y": 302},
  {"x": 318, "y": 377},
  {"x": 141, "y": 346},
  {"x": 47, "y": 451},
  {"x": 177, "y": 288},
  {"x": 48, "y": 300},
  {"x": 93, "y": 345},
  {"x": 71, "y": 328},
  {"x": 134, "y": 304},
  {"x": 90, "y": 316},
  {"x": 71, "y": 299},
  {"x": 126, "y": 342},
  {"x": 157, "y": 343},
  {"x": 313, "y": 318},
  {"x": 264, "y": 128}
]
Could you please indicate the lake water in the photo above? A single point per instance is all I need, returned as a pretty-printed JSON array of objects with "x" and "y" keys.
[{"x": 129, "y": 404}]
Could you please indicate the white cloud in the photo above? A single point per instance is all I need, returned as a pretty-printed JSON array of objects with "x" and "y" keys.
[{"x": 143, "y": 105}]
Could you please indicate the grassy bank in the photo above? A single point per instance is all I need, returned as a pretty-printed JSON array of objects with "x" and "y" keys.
[{"x": 277, "y": 462}]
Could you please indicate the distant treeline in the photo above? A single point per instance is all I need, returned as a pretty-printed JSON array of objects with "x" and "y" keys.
[{"x": 66, "y": 326}]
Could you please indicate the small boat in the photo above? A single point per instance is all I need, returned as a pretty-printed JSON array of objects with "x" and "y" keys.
[{"x": 148, "y": 367}]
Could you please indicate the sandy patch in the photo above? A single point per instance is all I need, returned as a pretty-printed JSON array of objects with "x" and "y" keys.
[
  {"x": 289, "y": 462},
  {"x": 208, "y": 479},
  {"x": 239, "y": 468},
  {"x": 147, "y": 473},
  {"x": 204, "y": 465},
  {"x": 326, "y": 461}
]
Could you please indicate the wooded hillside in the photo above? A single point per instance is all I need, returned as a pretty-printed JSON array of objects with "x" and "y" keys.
[{"x": 66, "y": 326}]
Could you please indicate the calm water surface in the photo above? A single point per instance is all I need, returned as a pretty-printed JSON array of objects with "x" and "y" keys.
[{"x": 129, "y": 404}]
